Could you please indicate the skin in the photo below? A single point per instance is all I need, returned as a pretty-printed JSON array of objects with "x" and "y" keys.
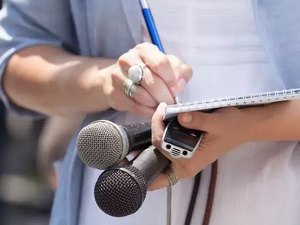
[
  {"x": 57, "y": 83},
  {"x": 225, "y": 129},
  {"x": 66, "y": 87}
]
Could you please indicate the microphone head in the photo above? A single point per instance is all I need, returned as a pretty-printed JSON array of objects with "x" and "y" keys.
[
  {"x": 101, "y": 144},
  {"x": 121, "y": 191}
]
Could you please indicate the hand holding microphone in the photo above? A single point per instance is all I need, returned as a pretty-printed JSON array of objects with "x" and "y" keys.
[{"x": 120, "y": 191}]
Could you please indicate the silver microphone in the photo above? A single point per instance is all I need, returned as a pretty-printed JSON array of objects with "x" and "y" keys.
[{"x": 103, "y": 144}]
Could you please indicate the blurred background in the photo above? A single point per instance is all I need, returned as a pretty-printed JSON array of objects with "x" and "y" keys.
[
  {"x": 25, "y": 194},
  {"x": 26, "y": 188}
]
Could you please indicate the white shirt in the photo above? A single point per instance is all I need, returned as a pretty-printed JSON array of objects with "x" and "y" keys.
[{"x": 256, "y": 181}]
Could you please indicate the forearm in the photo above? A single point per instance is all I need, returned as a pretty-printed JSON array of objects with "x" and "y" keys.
[
  {"x": 52, "y": 81},
  {"x": 275, "y": 122}
]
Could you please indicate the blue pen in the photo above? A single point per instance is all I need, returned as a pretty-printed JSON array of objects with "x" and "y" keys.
[
  {"x": 149, "y": 20},
  {"x": 151, "y": 27}
]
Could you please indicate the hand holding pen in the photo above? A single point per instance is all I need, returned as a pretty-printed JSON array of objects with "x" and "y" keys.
[
  {"x": 154, "y": 35},
  {"x": 153, "y": 77}
]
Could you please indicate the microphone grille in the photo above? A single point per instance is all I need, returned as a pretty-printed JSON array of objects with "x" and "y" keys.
[
  {"x": 120, "y": 192},
  {"x": 100, "y": 145}
]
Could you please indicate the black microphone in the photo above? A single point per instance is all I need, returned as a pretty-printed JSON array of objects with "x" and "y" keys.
[
  {"x": 103, "y": 144},
  {"x": 121, "y": 191}
]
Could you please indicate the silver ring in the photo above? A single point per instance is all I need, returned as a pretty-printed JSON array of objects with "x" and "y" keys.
[
  {"x": 136, "y": 73},
  {"x": 172, "y": 178},
  {"x": 129, "y": 88}
]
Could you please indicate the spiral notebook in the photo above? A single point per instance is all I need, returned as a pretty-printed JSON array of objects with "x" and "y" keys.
[{"x": 237, "y": 101}]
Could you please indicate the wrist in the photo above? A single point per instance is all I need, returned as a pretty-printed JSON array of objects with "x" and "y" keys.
[
  {"x": 255, "y": 119},
  {"x": 93, "y": 81},
  {"x": 269, "y": 122},
  {"x": 98, "y": 97}
]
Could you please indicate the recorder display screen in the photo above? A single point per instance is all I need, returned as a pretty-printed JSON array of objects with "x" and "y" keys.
[{"x": 182, "y": 137}]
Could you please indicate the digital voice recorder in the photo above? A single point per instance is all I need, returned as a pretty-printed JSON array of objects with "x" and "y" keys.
[{"x": 179, "y": 141}]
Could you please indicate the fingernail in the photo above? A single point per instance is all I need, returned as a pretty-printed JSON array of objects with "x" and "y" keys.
[
  {"x": 174, "y": 91},
  {"x": 186, "y": 118},
  {"x": 179, "y": 87}
]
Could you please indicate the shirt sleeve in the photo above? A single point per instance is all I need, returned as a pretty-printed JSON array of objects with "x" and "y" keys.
[
  {"x": 25, "y": 23},
  {"x": 278, "y": 24}
]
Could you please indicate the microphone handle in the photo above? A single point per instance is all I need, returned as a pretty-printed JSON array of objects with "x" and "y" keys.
[
  {"x": 139, "y": 135},
  {"x": 150, "y": 163}
]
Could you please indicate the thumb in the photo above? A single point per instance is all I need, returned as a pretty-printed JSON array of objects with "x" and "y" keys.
[{"x": 195, "y": 120}]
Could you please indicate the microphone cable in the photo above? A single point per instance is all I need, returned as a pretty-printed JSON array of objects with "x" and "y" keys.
[
  {"x": 211, "y": 193},
  {"x": 193, "y": 199},
  {"x": 210, "y": 197}
]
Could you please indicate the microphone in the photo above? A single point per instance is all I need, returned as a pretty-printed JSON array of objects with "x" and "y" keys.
[
  {"x": 103, "y": 144},
  {"x": 121, "y": 191}
]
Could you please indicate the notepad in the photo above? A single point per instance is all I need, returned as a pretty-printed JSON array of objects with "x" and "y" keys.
[{"x": 237, "y": 101}]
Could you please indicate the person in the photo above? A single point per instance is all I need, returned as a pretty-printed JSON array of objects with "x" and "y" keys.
[{"x": 68, "y": 57}]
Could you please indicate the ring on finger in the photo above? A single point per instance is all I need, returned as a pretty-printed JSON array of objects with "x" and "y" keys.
[
  {"x": 172, "y": 178},
  {"x": 129, "y": 88},
  {"x": 136, "y": 73}
]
